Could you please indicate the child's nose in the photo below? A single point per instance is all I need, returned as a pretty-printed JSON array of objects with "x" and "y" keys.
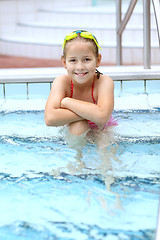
[{"x": 80, "y": 65}]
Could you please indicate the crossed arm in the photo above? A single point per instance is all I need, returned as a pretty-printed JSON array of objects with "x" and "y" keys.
[{"x": 61, "y": 110}]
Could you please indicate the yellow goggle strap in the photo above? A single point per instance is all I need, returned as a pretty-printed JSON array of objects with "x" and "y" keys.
[{"x": 82, "y": 34}]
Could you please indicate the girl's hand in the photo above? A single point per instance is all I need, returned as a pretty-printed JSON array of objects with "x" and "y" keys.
[{"x": 64, "y": 102}]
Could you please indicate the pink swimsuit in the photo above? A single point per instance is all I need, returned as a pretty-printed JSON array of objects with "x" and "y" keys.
[{"x": 92, "y": 125}]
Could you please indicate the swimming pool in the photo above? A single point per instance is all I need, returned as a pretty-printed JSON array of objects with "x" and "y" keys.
[{"x": 52, "y": 191}]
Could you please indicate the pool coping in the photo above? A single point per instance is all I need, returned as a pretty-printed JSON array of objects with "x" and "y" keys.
[{"x": 47, "y": 75}]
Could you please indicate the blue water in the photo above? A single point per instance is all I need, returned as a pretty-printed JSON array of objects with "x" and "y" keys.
[{"x": 48, "y": 192}]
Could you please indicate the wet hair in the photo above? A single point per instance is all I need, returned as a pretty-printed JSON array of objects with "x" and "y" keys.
[
  {"x": 96, "y": 50},
  {"x": 98, "y": 73}
]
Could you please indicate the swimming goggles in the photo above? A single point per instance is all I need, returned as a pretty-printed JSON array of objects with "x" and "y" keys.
[{"x": 82, "y": 34}]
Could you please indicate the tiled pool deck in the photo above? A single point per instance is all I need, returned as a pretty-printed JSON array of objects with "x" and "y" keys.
[{"x": 25, "y": 62}]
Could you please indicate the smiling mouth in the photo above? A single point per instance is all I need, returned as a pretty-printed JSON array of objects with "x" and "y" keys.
[{"x": 81, "y": 74}]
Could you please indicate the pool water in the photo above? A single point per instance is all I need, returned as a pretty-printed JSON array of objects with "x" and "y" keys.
[{"x": 52, "y": 191}]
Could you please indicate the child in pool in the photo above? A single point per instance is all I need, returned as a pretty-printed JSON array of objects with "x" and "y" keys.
[{"x": 83, "y": 98}]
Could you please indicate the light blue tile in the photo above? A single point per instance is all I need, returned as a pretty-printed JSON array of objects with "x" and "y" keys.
[
  {"x": 16, "y": 90},
  {"x": 153, "y": 86},
  {"x": 38, "y": 90}
]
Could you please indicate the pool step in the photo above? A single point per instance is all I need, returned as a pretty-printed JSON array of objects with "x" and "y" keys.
[
  {"x": 98, "y": 16},
  {"x": 49, "y": 49},
  {"x": 104, "y": 34},
  {"x": 41, "y": 36}
]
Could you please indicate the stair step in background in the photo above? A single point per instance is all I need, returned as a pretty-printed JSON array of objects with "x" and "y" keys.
[
  {"x": 38, "y": 30},
  {"x": 104, "y": 34}
]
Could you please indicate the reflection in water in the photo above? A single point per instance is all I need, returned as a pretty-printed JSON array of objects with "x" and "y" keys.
[
  {"x": 74, "y": 202},
  {"x": 106, "y": 153}
]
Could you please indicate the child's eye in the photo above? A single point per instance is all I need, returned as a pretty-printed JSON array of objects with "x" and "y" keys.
[
  {"x": 72, "y": 60},
  {"x": 87, "y": 59}
]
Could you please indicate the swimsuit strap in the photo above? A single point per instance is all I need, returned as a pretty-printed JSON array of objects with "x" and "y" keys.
[
  {"x": 91, "y": 91},
  {"x": 71, "y": 89}
]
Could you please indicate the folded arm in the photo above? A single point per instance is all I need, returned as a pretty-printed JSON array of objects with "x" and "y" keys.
[
  {"x": 98, "y": 113},
  {"x": 55, "y": 115},
  {"x": 61, "y": 109},
  {"x": 60, "y": 117}
]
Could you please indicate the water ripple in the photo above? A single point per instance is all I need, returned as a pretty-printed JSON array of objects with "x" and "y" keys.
[
  {"x": 17, "y": 140},
  {"x": 68, "y": 230}
]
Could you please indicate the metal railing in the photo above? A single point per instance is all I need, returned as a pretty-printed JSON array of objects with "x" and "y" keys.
[
  {"x": 121, "y": 24},
  {"x": 156, "y": 7}
]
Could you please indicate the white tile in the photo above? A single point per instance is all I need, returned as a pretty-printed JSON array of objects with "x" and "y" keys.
[
  {"x": 8, "y": 48},
  {"x": 155, "y": 56},
  {"x": 2, "y": 48},
  {"x": 25, "y": 6},
  {"x": 108, "y": 55},
  {"x": 8, "y": 7}
]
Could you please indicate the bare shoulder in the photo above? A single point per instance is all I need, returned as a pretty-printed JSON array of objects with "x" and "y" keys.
[
  {"x": 61, "y": 83},
  {"x": 105, "y": 92},
  {"x": 106, "y": 82},
  {"x": 60, "y": 89},
  {"x": 62, "y": 79},
  {"x": 107, "y": 79}
]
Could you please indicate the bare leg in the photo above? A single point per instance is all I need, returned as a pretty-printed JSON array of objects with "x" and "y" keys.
[
  {"x": 76, "y": 139},
  {"x": 76, "y": 136}
]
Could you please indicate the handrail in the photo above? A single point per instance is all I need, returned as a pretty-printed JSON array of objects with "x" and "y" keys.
[
  {"x": 127, "y": 16},
  {"x": 121, "y": 26},
  {"x": 146, "y": 34},
  {"x": 119, "y": 36},
  {"x": 156, "y": 7}
]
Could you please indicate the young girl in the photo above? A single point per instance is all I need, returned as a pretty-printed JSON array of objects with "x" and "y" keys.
[{"x": 83, "y": 98}]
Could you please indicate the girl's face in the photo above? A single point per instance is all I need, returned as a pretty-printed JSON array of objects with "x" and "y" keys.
[{"x": 81, "y": 61}]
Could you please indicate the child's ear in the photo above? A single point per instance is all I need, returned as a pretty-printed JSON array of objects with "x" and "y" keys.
[
  {"x": 99, "y": 60},
  {"x": 63, "y": 61}
]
